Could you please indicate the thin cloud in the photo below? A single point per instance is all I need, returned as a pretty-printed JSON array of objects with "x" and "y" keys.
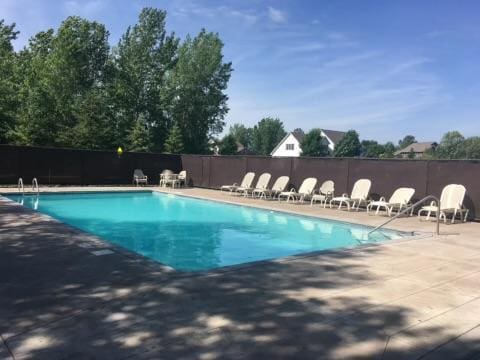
[
  {"x": 352, "y": 59},
  {"x": 84, "y": 8},
  {"x": 276, "y": 15}
]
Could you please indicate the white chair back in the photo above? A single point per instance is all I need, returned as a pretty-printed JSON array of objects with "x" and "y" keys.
[
  {"x": 182, "y": 175},
  {"x": 361, "y": 189},
  {"x": 452, "y": 196},
  {"x": 138, "y": 173},
  {"x": 402, "y": 196},
  {"x": 263, "y": 180},
  {"x": 308, "y": 185},
  {"x": 247, "y": 180},
  {"x": 281, "y": 183},
  {"x": 327, "y": 188}
]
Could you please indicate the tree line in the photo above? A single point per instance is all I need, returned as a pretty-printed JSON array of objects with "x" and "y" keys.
[
  {"x": 262, "y": 138},
  {"x": 150, "y": 92}
]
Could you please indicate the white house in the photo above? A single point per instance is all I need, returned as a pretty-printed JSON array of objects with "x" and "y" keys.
[{"x": 290, "y": 144}]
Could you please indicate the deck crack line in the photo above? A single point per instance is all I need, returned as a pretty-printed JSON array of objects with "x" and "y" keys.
[
  {"x": 447, "y": 342},
  {"x": 7, "y": 347}
]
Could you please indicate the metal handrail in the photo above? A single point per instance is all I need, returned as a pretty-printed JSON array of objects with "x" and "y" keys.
[
  {"x": 35, "y": 185},
  {"x": 411, "y": 207},
  {"x": 20, "y": 185}
]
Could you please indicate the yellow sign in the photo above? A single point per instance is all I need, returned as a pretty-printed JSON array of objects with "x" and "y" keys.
[{"x": 119, "y": 151}]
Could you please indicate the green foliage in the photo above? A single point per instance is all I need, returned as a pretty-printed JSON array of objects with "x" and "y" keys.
[
  {"x": 388, "y": 151},
  {"x": 174, "y": 142},
  {"x": 472, "y": 147},
  {"x": 407, "y": 140},
  {"x": 266, "y": 135},
  {"x": 372, "y": 149},
  {"x": 314, "y": 144},
  {"x": 242, "y": 134},
  {"x": 141, "y": 61},
  {"x": 66, "y": 88},
  {"x": 228, "y": 146},
  {"x": 349, "y": 145},
  {"x": 139, "y": 138},
  {"x": 8, "y": 85},
  {"x": 195, "y": 90},
  {"x": 451, "y": 146}
]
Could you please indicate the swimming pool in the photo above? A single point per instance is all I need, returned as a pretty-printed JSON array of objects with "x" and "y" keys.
[{"x": 190, "y": 234}]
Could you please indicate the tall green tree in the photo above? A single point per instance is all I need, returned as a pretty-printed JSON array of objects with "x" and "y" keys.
[
  {"x": 195, "y": 90},
  {"x": 349, "y": 145},
  {"x": 139, "y": 137},
  {"x": 242, "y": 134},
  {"x": 407, "y": 140},
  {"x": 228, "y": 146},
  {"x": 472, "y": 147},
  {"x": 144, "y": 55},
  {"x": 314, "y": 144},
  {"x": 266, "y": 135},
  {"x": 8, "y": 84},
  {"x": 388, "y": 150},
  {"x": 371, "y": 149},
  {"x": 174, "y": 142},
  {"x": 452, "y": 146}
]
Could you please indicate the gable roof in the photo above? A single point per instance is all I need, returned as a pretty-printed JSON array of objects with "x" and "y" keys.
[
  {"x": 334, "y": 135},
  {"x": 283, "y": 140},
  {"x": 298, "y": 134},
  {"x": 419, "y": 147}
]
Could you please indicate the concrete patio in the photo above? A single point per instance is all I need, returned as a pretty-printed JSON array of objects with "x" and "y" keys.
[{"x": 399, "y": 300}]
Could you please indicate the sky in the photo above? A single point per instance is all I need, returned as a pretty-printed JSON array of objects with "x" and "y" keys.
[{"x": 383, "y": 68}]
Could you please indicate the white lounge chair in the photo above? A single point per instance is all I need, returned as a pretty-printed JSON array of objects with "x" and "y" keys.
[
  {"x": 359, "y": 195},
  {"x": 246, "y": 183},
  {"x": 305, "y": 191},
  {"x": 181, "y": 179},
  {"x": 325, "y": 193},
  {"x": 279, "y": 186},
  {"x": 400, "y": 199},
  {"x": 262, "y": 183},
  {"x": 451, "y": 202},
  {"x": 139, "y": 177},
  {"x": 165, "y": 177}
]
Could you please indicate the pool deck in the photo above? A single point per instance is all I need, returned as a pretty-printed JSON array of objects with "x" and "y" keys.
[{"x": 62, "y": 297}]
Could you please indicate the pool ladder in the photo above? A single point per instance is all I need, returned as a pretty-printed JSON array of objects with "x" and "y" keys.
[
  {"x": 21, "y": 187},
  {"x": 411, "y": 208}
]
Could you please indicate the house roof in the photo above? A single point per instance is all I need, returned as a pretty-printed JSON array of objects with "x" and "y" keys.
[
  {"x": 419, "y": 147},
  {"x": 283, "y": 140},
  {"x": 298, "y": 134},
  {"x": 334, "y": 135}
]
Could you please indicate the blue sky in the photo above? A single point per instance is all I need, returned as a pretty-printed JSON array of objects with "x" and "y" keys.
[{"x": 384, "y": 68}]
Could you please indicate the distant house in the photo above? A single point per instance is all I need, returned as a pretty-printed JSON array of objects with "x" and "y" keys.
[
  {"x": 290, "y": 145},
  {"x": 415, "y": 150}
]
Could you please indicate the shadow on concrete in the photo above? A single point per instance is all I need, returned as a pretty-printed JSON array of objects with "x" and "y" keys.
[{"x": 58, "y": 301}]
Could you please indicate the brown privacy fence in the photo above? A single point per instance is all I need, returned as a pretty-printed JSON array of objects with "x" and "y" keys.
[
  {"x": 53, "y": 166},
  {"x": 427, "y": 177}
]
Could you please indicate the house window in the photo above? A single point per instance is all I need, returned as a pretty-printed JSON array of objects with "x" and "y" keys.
[{"x": 290, "y": 146}]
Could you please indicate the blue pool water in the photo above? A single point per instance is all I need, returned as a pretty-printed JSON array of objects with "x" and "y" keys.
[{"x": 191, "y": 235}]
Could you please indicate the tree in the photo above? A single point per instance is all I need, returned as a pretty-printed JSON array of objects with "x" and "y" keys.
[
  {"x": 371, "y": 149},
  {"x": 349, "y": 145},
  {"x": 8, "y": 84},
  {"x": 266, "y": 135},
  {"x": 195, "y": 90},
  {"x": 242, "y": 134},
  {"x": 472, "y": 147},
  {"x": 141, "y": 60},
  {"x": 388, "y": 150},
  {"x": 452, "y": 146},
  {"x": 228, "y": 146},
  {"x": 174, "y": 142},
  {"x": 407, "y": 140},
  {"x": 140, "y": 138},
  {"x": 314, "y": 144}
]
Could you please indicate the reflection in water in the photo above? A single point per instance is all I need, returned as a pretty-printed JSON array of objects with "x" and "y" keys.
[
  {"x": 190, "y": 234},
  {"x": 307, "y": 225}
]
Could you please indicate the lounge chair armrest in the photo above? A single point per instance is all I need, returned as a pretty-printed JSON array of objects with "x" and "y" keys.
[
  {"x": 293, "y": 190},
  {"x": 382, "y": 199},
  {"x": 344, "y": 195}
]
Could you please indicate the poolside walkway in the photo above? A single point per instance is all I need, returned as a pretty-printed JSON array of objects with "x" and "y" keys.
[{"x": 60, "y": 298}]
